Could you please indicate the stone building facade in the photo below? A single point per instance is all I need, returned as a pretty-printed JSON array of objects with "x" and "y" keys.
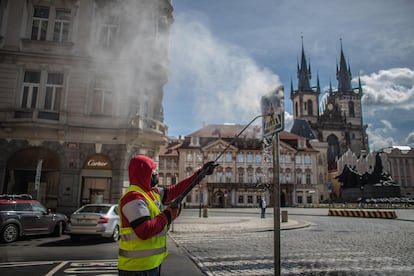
[
  {"x": 399, "y": 163},
  {"x": 81, "y": 88},
  {"x": 245, "y": 171}
]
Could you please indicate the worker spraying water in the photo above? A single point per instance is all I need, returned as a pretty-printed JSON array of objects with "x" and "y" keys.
[{"x": 144, "y": 221}]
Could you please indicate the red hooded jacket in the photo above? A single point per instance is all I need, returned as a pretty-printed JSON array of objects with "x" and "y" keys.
[{"x": 133, "y": 207}]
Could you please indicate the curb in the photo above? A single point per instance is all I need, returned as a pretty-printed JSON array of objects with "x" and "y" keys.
[{"x": 363, "y": 213}]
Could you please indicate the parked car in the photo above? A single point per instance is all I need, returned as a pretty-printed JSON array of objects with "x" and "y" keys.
[
  {"x": 94, "y": 220},
  {"x": 20, "y": 215}
]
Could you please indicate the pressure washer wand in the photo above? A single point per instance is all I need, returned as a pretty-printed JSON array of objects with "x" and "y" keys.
[{"x": 176, "y": 203}]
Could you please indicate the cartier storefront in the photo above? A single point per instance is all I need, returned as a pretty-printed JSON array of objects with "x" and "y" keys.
[{"x": 96, "y": 180}]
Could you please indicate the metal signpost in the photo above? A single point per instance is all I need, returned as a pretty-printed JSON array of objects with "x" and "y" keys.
[{"x": 273, "y": 106}]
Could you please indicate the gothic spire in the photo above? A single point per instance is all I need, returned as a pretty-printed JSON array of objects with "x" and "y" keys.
[
  {"x": 343, "y": 74},
  {"x": 304, "y": 74}
]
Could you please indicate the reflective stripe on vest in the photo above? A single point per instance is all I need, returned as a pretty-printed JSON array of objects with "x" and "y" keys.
[
  {"x": 133, "y": 236},
  {"x": 136, "y": 254},
  {"x": 141, "y": 253}
]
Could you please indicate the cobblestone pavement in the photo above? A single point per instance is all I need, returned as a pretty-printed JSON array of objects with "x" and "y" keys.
[{"x": 242, "y": 244}]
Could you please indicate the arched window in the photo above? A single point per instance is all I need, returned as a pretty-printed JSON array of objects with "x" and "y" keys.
[
  {"x": 310, "y": 108},
  {"x": 333, "y": 150},
  {"x": 351, "y": 108},
  {"x": 296, "y": 109}
]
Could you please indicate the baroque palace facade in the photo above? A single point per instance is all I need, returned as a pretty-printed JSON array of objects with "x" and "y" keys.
[
  {"x": 81, "y": 93},
  {"x": 245, "y": 171}
]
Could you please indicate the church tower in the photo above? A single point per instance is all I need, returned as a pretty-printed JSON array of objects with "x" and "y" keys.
[
  {"x": 305, "y": 98},
  {"x": 340, "y": 123}
]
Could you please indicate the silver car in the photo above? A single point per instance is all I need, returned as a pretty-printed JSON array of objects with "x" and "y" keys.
[{"x": 94, "y": 220}]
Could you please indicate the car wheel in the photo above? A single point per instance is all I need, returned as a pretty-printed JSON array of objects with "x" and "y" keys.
[
  {"x": 57, "y": 232},
  {"x": 115, "y": 234},
  {"x": 10, "y": 233},
  {"x": 75, "y": 238}
]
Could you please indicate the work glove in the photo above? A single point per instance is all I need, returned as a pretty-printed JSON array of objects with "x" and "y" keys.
[
  {"x": 208, "y": 168},
  {"x": 172, "y": 213}
]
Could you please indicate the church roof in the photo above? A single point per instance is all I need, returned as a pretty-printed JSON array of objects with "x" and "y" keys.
[{"x": 301, "y": 127}]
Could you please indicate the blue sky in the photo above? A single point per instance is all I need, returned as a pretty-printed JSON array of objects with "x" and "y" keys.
[{"x": 226, "y": 54}]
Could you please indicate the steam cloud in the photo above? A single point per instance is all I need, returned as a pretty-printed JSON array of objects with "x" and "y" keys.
[{"x": 225, "y": 83}]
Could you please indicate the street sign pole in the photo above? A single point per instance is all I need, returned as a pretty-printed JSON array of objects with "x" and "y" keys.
[
  {"x": 276, "y": 198},
  {"x": 272, "y": 105}
]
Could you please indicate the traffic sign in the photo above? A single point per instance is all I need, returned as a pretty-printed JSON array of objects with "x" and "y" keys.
[{"x": 272, "y": 106}]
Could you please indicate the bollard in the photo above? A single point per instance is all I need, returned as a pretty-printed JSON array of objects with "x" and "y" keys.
[
  {"x": 205, "y": 212},
  {"x": 284, "y": 216}
]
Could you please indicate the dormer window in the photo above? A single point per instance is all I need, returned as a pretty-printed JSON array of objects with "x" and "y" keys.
[
  {"x": 195, "y": 141},
  {"x": 301, "y": 143}
]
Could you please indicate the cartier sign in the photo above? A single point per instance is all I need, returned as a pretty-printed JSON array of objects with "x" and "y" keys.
[{"x": 98, "y": 162}]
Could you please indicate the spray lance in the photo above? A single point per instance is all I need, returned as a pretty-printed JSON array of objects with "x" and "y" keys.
[{"x": 210, "y": 166}]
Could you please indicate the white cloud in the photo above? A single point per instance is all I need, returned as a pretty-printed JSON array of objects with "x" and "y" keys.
[
  {"x": 389, "y": 89},
  {"x": 410, "y": 139},
  {"x": 381, "y": 137}
]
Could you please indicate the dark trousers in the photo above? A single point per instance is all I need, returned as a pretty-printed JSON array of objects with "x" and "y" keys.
[
  {"x": 263, "y": 212},
  {"x": 153, "y": 272}
]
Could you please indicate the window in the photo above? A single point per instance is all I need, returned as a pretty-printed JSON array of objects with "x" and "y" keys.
[
  {"x": 249, "y": 158},
  {"x": 199, "y": 157},
  {"x": 241, "y": 199},
  {"x": 298, "y": 159},
  {"x": 189, "y": 157},
  {"x": 298, "y": 178},
  {"x": 31, "y": 84},
  {"x": 351, "y": 109},
  {"x": 240, "y": 158},
  {"x": 310, "y": 108},
  {"x": 102, "y": 97},
  {"x": 107, "y": 32},
  {"x": 219, "y": 177},
  {"x": 258, "y": 158},
  {"x": 308, "y": 160},
  {"x": 259, "y": 177},
  {"x": 288, "y": 178},
  {"x": 228, "y": 157},
  {"x": 250, "y": 175},
  {"x": 308, "y": 178},
  {"x": 188, "y": 199},
  {"x": 287, "y": 159},
  {"x": 250, "y": 199},
  {"x": 228, "y": 176},
  {"x": 39, "y": 23},
  {"x": 62, "y": 23},
  {"x": 54, "y": 87},
  {"x": 241, "y": 176}
]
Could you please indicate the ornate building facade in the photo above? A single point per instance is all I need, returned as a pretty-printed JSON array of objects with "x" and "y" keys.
[
  {"x": 245, "y": 171},
  {"x": 81, "y": 92},
  {"x": 340, "y": 122}
]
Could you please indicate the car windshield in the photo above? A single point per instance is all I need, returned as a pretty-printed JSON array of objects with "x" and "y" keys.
[{"x": 94, "y": 209}]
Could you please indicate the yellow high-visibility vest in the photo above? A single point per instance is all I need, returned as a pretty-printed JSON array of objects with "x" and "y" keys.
[{"x": 136, "y": 254}]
